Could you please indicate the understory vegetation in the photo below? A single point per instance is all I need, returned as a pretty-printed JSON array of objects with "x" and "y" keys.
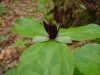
[{"x": 50, "y": 37}]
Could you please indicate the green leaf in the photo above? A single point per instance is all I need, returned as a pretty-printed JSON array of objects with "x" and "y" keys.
[
  {"x": 2, "y": 9},
  {"x": 28, "y": 28},
  {"x": 44, "y": 6},
  {"x": 3, "y": 37},
  {"x": 77, "y": 72},
  {"x": 20, "y": 43},
  {"x": 48, "y": 58},
  {"x": 41, "y": 8},
  {"x": 12, "y": 71},
  {"x": 89, "y": 32},
  {"x": 83, "y": 6},
  {"x": 88, "y": 59},
  {"x": 44, "y": 1}
]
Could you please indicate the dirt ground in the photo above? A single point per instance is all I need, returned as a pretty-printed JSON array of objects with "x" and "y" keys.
[{"x": 9, "y": 54}]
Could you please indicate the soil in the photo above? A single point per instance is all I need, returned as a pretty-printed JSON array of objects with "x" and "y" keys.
[{"x": 9, "y": 54}]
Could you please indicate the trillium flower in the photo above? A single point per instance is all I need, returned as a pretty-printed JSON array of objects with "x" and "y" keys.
[
  {"x": 52, "y": 32},
  {"x": 52, "y": 57},
  {"x": 49, "y": 31}
]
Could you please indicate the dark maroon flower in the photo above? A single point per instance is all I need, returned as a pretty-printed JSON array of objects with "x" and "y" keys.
[
  {"x": 51, "y": 29},
  {"x": 0, "y": 0}
]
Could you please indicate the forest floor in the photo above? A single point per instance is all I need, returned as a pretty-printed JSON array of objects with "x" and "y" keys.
[{"x": 9, "y": 54}]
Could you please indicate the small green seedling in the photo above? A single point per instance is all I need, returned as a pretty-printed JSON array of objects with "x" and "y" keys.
[{"x": 2, "y": 9}]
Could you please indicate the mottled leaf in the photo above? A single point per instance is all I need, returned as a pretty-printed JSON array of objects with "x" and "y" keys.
[
  {"x": 88, "y": 32},
  {"x": 48, "y": 58},
  {"x": 88, "y": 59},
  {"x": 28, "y": 28}
]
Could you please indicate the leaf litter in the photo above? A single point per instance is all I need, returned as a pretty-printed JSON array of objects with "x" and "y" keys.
[{"x": 9, "y": 54}]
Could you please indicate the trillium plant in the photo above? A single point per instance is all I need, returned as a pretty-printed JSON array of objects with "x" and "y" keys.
[
  {"x": 52, "y": 32},
  {"x": 50, "y": 53}
]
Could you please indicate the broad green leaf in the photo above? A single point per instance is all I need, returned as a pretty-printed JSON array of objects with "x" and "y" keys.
[
  {"x": 28, "y": 28},
  {"x": 12, "y": 71},
  {"x": 88, "y": 59},
  {"x": 77, "y": 72},
  {"x": 48, "y": 58},
  {"x": 89, "y": 32}
]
